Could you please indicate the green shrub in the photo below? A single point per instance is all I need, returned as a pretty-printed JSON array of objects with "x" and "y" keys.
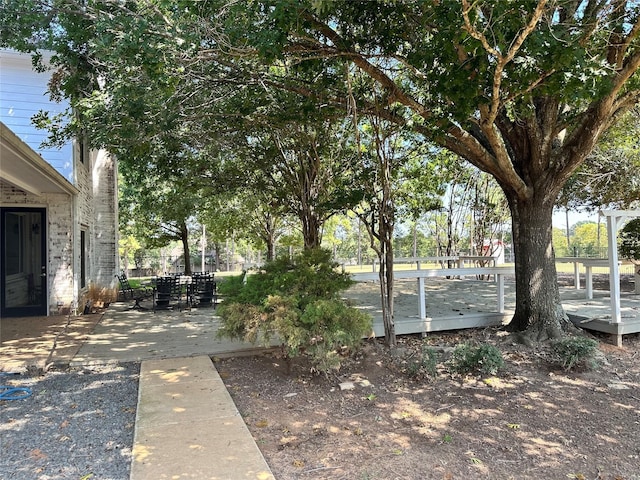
[
  {"x": 230, "y": 286},
  {"x": 296, "y": 301},
  {"x": 572, "y": 352},
  {"x": 629, "y": 240},
  {"x": 483, "y": 358},
  {"x": 426, "y": 363}
]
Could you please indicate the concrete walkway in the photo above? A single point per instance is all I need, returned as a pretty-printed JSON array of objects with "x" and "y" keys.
[{"x": 187, "y": 426}]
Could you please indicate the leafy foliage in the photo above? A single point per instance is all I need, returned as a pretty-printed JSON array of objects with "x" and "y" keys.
[
  {"x": 297, "y": 301},
  {"x": 306, "y": 169},
  {"x": 588, "y": 238},
  {"x": 610, "y": 177},
  {"x": 523, "y": 90},
  {"x": 483, "y": 358},
  {"x": 629, "y": 240},
  {"x": 572, "y": 352},
  {"x": 425, "y": 364}
]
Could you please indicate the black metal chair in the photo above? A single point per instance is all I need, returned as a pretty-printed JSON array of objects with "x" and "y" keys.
[
  {"x": 167, "y": 293},
  {"x": 203, "y": 293},
  {"x": 129, "y": 293}
]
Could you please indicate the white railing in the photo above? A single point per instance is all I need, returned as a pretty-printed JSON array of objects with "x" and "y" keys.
[
  {"x": 421, "y": 275},
  {"x": 588, "y": 264},
  {"x": 460, "y": 261}
]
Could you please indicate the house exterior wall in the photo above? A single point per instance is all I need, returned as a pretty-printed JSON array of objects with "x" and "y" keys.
[
  {"x": 97, "y": 215},
  {"x": 105, "y": 259},
  {"x": 92, "y": 211},
  {"x": 60, "y": 282},
  {"x": 84, "y": 219}
]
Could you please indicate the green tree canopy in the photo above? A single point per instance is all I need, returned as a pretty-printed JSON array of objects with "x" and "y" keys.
[
  {"x": 629, "y": 241},
  {"x": 610, "y": 177},
  {"x": 523, "y": 90}
]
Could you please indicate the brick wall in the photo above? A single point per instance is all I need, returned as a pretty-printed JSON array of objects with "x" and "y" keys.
[
  {"x": 97, "y": 216},
  {"x": 93, "y": 210}
]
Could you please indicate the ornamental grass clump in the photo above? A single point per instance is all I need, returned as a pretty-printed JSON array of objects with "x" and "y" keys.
[{"x": 297, "y": 302}]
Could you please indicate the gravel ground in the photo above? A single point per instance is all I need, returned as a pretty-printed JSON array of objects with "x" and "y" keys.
[{"x": 77, "y": 424}]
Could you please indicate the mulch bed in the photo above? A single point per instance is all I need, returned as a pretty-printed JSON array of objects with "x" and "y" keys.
[{"x": 533, "y": 420}]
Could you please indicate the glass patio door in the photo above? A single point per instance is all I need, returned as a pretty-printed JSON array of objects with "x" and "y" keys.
[{"x": 23, "y": 270}]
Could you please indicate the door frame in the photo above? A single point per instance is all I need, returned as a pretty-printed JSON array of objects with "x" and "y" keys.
[{"x": 38, "y": 308}]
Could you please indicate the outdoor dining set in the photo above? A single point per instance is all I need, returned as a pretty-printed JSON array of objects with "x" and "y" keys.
[{"x": 177, "y": 291}]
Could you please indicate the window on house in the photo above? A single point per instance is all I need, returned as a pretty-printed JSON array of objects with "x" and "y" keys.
[
  {"x": 83, "y": 258},
  {"x": 81, "y": 150},
  {"x": 14, "y": 258}
]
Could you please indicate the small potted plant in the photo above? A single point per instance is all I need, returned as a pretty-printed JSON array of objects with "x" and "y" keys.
[{"x": 629, "y": 247}]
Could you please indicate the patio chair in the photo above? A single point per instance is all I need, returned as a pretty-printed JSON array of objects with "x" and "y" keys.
[
  {"x": 129, "y": 293},
  {"x": 203, "y": 290},
  {"x": 167, "y": 292}
]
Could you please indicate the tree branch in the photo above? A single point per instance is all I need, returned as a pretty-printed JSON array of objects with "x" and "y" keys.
[
  {"x": 467, "y": 146},
  {"x": 502, "y": 60},
  {"x": 376, "y": 73}
]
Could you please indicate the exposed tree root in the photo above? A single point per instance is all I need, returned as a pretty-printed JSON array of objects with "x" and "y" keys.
[{"x": 545, "y": 331}]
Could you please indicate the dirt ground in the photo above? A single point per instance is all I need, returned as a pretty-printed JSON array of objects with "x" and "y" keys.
[{"x": 377, "y": 418}]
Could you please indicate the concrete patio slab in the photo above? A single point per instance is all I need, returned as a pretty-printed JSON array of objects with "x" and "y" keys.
[
  {"x": 42, "y": 341},
  {"x": 126, "y": 335}
]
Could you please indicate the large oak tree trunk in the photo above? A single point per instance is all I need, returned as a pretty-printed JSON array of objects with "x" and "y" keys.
[
  {"x": 184, "y": 237},
  {"x": 538, "y": 312}
]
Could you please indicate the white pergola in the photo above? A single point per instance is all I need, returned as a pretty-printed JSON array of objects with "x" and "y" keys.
[{"x": 615, "y": 218}]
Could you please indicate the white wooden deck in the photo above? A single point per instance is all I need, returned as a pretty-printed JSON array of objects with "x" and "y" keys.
[
  {"x": 426, "y": 301},
  {"x": 596, "y": 313}
]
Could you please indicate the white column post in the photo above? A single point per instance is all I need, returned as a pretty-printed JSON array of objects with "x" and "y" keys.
[
  {"x": 614, "y": 274},
  {"x": 422, "y": 304},
  {"x": 500, "y": 281},
  {"x": 589, "y": 281}
]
